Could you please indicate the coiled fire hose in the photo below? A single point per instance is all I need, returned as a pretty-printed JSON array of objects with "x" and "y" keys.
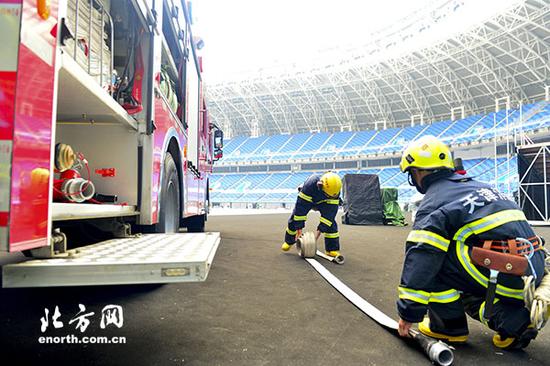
[
  {"x": 64, "y": 157},
  {"x": 438, "y": 352},
  {"x": 537, "y": 301}
]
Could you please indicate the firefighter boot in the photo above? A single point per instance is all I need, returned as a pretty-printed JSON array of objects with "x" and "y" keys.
[
  {"x": 424, "y": 328},
  {"x": 515, "y": 343},
  {"x": 285, "y": 247}
]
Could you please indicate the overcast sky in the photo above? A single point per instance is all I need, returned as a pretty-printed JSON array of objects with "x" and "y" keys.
[{"x": 245, "y": 35}]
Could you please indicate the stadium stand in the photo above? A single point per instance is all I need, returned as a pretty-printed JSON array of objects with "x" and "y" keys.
[
  {"x": 338, "y": 145},
  {"x": 280, "y": 187}
]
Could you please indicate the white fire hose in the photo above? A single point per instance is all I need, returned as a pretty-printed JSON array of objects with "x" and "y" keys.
[
  {"x": 307, "y": 248},
  {"x": 537, "y": 301},
  {"x": 438, "y": 352}
]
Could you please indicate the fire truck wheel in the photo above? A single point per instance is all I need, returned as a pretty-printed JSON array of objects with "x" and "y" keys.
[
  {"x": 195, "y": 224},
  {"x": 169, "y": 215}
]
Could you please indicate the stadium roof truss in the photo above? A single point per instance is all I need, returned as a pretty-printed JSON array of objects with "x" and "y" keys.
[{"x": 507, "y": 56}]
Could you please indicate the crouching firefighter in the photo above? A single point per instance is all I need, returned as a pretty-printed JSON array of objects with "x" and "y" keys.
[
  {"x": 471, "y": 251},
  {"x": 321, "y": 193}
]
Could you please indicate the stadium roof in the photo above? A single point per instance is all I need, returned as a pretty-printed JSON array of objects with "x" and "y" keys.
[{"x": 404, "y": 71}]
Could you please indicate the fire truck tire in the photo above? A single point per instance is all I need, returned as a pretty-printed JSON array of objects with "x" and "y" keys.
[
  {"x": 169, "y": 214},
  {"x": 195, "y": 224}
]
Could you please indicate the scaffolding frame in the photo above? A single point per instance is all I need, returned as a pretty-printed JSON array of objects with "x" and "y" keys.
[{"x": 536, "y": 153}]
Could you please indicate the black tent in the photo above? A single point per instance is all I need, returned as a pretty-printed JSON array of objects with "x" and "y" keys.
[{"x": 362, "y": 200}]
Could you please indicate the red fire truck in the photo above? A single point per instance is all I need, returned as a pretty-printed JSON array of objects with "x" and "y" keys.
[{"x": 104, "y": 135}]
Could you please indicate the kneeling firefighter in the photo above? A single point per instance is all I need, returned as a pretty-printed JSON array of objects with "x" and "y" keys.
[
  {"x": 471, "y": 251},
  {"x": 321, "y": 193}
]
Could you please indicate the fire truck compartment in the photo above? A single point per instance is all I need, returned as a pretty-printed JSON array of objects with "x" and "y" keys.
[
  {"x": 105, "y": 147},
  {"x": 103, "y": 64},
  {"x": 81, "y": 211},
  {"x": 152, "y": 258},
  {"x": 82, "y": 100}
]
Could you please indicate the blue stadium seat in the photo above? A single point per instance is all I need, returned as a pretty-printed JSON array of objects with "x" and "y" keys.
[
  {"x": 233, "y": 143},
  {"x": 282, "y": 187},
  {"x": 252, "y": 144},
  {"x": 356, "y": 143},
  {"x": 334, "y": 144},
  {"x": 308, "y": 149},
  {"x": 397, "y": 180},
  {"x": 437, "y": 128},
  {"x": 272, "y": 181},
  {"x": 271, "y": 146},
  {"x": 293, "y": 144},
  {"x": 228, "y": 180},
  {"x": 402, "y": 139},
  {"x": 459, "y": 127},
  {"x": 251, "y": 197},
  {"x": 381, "y": 139},
  {"x": 348, "y": 144},
  {"x": 501, "y": 118},
  {"x": 539, "y": 120},
  {"x": 294, "y": 181},
  {"x": 386, "y": 174}
]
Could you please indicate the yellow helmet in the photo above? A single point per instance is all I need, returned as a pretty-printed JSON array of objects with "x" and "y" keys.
[
  {"x": 331, "y": 184},
  {"x": 428, "y": 152}
]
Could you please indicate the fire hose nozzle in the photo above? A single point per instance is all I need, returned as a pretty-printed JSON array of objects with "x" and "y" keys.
[
  {"x": 77, "y": 190},
  {"x": 440, "y": 354}
]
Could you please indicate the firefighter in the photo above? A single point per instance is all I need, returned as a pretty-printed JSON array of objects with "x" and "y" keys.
[
  {"x": 321, "y": 193},
  {"x": 439, "y": 275}
]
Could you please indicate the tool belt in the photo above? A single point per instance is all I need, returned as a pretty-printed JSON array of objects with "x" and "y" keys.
[{"x": 503, "y": 256}]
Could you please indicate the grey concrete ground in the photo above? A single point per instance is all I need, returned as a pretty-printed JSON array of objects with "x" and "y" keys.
[{"x": 259, "y": 306}]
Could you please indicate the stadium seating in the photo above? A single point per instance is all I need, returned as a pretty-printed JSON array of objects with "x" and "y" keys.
[
  {"x": 293, "y": 144},
  {"x": 332, "y": 145},
  {"x": 232, "y": 144},
  {"x": 324, "y": 145},
  {"x": 312, "y": 146},
  {"x": 281, "y": 187},
  {"x": 357, "y": 141},
  {"x": 271, "y": 145}
]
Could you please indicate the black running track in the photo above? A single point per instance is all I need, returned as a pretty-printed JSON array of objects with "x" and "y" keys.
[{"x": 259, "y": 306}]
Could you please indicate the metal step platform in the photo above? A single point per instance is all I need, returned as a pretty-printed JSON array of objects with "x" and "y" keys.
[{"x": 150, "y": 258}]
